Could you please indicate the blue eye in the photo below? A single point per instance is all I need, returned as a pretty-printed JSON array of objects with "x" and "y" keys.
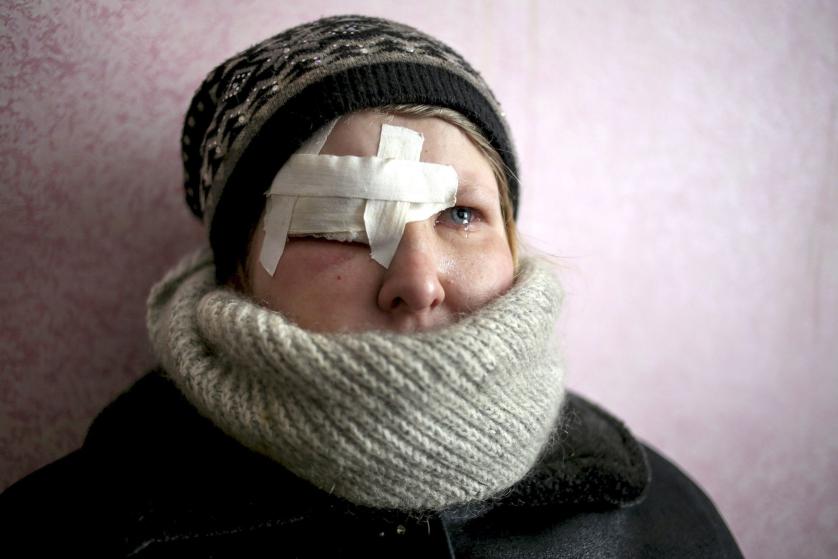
[
  {"x": 462, "y": 218},
  {"x": 461, "y": 215}
]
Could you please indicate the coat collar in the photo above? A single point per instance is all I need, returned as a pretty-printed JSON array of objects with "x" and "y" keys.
[{"x": 592, "y": 461}]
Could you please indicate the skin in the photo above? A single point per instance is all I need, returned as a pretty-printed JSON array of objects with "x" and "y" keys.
[{"x": 448, "y": 265}]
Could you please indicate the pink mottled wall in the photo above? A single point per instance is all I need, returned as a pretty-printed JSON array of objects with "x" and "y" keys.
[{"x": 680, "y": 158}]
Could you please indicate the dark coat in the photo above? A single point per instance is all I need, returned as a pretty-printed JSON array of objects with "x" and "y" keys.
[{"x": 156, "y": 479}]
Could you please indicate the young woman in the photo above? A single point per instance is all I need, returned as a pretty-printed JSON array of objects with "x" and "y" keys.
[{"x": 359, "y": 362}]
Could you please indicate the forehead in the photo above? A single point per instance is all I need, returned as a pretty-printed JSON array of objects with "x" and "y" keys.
[{"x": 359, "y": 134}]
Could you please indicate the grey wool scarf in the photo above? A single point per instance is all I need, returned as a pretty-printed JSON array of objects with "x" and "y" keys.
[{"x": 404, "y": 421}]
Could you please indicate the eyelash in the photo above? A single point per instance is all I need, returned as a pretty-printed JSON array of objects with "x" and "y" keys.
[{"x": 457, "y": 222}]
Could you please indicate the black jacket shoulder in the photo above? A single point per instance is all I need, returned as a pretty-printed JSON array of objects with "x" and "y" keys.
[{"x": 156, "y": 479}]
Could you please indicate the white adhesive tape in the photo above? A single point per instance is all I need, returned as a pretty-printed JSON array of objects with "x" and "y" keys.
[{"x": 356, "y": 198}]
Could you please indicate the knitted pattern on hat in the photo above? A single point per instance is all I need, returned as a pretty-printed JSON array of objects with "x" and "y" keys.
[
  {"x": 404, "y": 421},
  {"x": 254, "y": 110}
]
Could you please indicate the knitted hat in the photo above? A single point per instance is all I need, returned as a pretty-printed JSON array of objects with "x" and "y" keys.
[{"x": 254, "y": 111}]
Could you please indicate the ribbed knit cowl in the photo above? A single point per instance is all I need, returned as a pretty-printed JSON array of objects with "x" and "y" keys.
[{"x": 406, "y": 421}]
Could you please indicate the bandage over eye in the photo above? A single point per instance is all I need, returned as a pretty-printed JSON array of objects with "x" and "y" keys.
[{"x": 350, "y": 198}]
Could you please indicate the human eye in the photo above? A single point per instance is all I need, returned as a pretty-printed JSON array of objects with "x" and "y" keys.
[{"x": 459, "y": 217}]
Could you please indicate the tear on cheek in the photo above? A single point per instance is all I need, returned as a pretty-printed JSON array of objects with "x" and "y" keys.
[{"x": 446, "y": 266}]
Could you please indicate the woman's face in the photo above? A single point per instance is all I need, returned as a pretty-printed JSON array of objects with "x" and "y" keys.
[{"x": 447, "y": 265}]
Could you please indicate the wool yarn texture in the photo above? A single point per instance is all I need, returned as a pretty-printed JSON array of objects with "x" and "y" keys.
[{"x": 414, "y": 422}]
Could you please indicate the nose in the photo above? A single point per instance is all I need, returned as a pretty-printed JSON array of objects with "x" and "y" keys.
[{"x": 411, "y": 284}]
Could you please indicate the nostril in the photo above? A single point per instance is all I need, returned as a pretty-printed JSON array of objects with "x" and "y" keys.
[{"x": 396, "y": 302}]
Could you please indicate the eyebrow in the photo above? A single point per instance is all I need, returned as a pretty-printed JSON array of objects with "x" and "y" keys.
[{"x": 477, "y": 190}]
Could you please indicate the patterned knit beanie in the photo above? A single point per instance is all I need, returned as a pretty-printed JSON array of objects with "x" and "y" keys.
[{"x": 256, "y": 109}]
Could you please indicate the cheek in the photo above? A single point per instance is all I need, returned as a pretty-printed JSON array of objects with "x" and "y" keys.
[
  {"x": 312, "y": 274},
  {"x": 475, "y": 278}
]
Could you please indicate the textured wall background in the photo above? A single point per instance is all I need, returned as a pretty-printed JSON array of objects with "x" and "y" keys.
[{"x": 679, "y": 158}]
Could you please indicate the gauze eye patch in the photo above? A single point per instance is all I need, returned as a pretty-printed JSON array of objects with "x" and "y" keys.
[{"x": 350, "y": 198}]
